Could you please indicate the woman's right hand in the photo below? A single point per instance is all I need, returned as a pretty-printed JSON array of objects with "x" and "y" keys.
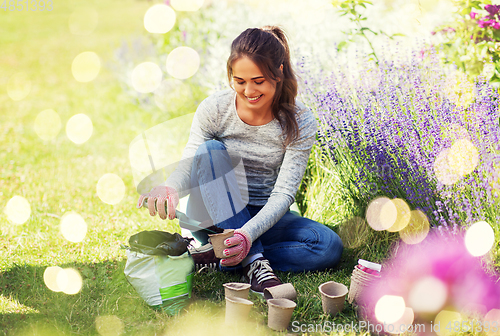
[{"x": 156, "y": 200}]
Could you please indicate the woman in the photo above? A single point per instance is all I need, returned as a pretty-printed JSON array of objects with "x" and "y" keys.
[{"x": 244, "y": 161}]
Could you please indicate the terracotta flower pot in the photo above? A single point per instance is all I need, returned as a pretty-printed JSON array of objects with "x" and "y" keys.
[{"x": 359, "y": 281}]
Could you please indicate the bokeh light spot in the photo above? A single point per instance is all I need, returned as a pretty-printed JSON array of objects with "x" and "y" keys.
[
  {"x": 159, "y": 19},
  {"x": 463, "y": 157},
  {"x": 110, "y": 189},
  {"x": 68, "y": 280},
  {"x": 403, "y": 324},
  {"x": 83, "y": 21},
  {"x": 109, "y": 325},
  {"x": 62, "y": 280},
  {"x": 427, "y": 295},
  {"x": 455, "y": 132},
  {"x": 19, "y": 86},
  {"x": 79, "y": 128},
  {"x": 403, "y": 217},
  {"x": 381, "y": 213},
  {"x": 183, "y": 62},
  {"x": 86, "y": 66},
  {"x": 355, "y": 232},
  {"x": 459, "y": 89},
  {"x": 479, "y": 239},
  {"x": 50, "y": 276},
  {"x": 73, "y": 227},
  {"x": 72, "y": 280},
  {"x": 172, "y": 95},
  {"x": 146, "y": 77},
  {"x": 491, "y": 323},
  {"x": 18, "y": 210},
  {"x": 447, "y": 318},
  {"x": 186, "y": 5},
  {"x": 47, "y": 124},
  {"x": 390, "y": 308},
  {"x": 417, "y": 228},
  {"x": 473, "y": 308},
  {"x": 442, "y": 169}
]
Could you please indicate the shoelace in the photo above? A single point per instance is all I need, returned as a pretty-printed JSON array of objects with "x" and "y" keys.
[
  {"x": 202, "y": 267},
  {"x": 261, "y": 270}
]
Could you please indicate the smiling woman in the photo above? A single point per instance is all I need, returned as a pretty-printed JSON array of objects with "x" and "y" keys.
[
  {"x": 263, "y": 57},
  {"x": 254, "y": 93},
  {"x": 261, "y": 127}
]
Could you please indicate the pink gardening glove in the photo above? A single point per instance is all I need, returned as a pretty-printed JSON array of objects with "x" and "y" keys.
[
  {"x": 158, "y": 196},
  {"x": 239, "y": 245}
]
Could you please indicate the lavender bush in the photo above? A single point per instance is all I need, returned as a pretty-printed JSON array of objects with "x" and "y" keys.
[{"x": 383, "y": 131}]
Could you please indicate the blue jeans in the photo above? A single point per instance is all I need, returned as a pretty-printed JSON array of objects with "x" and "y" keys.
[{"x": 294, "y": 243}]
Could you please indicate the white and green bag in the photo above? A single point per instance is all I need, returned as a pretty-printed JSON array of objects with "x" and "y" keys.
[{"x": 160, "y": 269}]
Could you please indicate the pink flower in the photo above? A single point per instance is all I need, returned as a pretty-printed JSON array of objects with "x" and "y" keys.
[
  {"x": 483, "y": 24},
  {"x": 472, "y": 15},
  {"x": 492, "y": 9},
  {"x": 496, "y": 25},
  {"x": 441, "y": 259}
]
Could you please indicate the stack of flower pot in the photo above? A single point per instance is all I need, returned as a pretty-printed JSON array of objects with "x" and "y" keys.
[{"x": 363, "y": 275}]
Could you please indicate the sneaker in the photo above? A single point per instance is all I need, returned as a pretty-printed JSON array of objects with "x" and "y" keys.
[
  {"x": 204, "y": 258},
  {"x": 260, "y": 275}
]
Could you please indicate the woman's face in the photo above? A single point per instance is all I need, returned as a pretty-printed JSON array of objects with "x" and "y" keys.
[{"x": 256, "y": 93}]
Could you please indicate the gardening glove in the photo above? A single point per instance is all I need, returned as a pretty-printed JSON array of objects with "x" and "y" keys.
[
  {"x": 156, "y": 201},
  {"x": 238, "y": 246}
]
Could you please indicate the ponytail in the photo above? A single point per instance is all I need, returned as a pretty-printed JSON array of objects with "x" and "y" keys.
[{"x": 268, "y": 48}]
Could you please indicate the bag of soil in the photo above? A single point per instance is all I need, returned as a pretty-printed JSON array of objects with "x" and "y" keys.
[{"x": 160, "y": 269}]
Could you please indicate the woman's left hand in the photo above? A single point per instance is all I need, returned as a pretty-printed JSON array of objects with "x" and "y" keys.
[{"x": 238, "y": 247}]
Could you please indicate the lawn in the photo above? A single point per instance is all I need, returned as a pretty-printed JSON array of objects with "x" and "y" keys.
[{"x": 58, "y": 176}]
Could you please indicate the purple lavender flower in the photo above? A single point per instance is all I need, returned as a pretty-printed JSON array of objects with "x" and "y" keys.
[{"x": 385, "y": 129}]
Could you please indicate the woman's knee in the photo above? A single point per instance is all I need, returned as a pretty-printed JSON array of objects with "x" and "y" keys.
[
  {"x": 330, "y": 248},
  {"x": 211, "y": 145},
  {"x": 207, "y": 153},
  {"x": 210, "y": 151}
]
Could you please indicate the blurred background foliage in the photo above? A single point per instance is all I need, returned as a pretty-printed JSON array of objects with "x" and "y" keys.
[{"x": 471, "y": 40}]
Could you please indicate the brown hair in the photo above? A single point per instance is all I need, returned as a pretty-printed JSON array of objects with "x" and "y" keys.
[{"x": 268, "y": 48}]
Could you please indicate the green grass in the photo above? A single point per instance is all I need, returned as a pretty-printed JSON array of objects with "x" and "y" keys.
[{"x": 58, "y": 176}]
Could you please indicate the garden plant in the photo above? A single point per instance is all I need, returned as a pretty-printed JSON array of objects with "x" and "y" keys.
[{"x": 472, "y": 40}]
